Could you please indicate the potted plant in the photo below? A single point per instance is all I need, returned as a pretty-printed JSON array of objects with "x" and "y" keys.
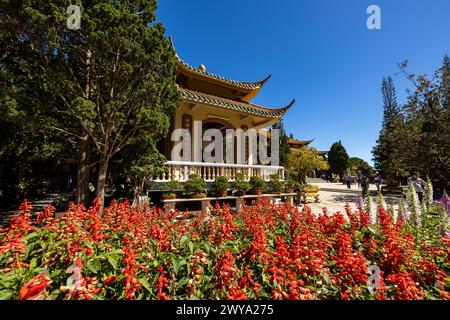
[
  {"x": 170, "y": 189},
  {"x": 220, "y": 186},
  {"x": 239, "y": 185},
  {"x": 258, "y": 185},
  {"x": 194, "y": 187},
  {"x": 275, "y": 185},
  {"x": 290, "y": 186}
]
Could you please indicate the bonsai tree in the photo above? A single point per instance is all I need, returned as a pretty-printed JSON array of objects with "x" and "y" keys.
[
  {"x": 170, "y": 188},
  {"x": 291, "y": 186},
  {"x": 195, "y": 187},
  {"x": 239, "y": 185},
  {"x": 220, "y": 186},
  {"x": 275, "y": 185},
  {"x": 258, "y": 185}
]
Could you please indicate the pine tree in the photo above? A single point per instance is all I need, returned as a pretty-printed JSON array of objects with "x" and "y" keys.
[
  {"x": 445, "y": 82},
  {"x": 338, "y": 159},
  {"x": 387, "y": 140},
  {"x": 110, "y": 81},
  {"x": 390, "y": 106}
]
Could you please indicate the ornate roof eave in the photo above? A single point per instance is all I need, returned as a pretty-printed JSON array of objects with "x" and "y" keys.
[
  {"x": 300, "y": 142},
  {"x": 242, "y": 107},
  {"x": 250, "y": 88}
]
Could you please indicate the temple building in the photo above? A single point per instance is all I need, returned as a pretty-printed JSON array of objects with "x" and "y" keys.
[
  {"x": 295, "y": 144},
  {"x": 211, "y": 101}
]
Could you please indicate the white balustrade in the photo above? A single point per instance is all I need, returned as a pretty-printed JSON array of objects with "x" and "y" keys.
[{"x": 180, "y": 170}]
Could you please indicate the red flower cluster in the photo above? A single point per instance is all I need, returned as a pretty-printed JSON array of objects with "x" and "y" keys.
[{"x": 265, "y": 251}]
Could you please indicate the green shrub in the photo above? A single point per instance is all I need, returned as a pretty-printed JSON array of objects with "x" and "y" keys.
[
  {"x": 275, "y": 185},
  {"x": 258, "y": 182},
  {"x": 219, "y": 185},
  {"x": 291, "y": 186},
  {"x": 239, "y": 184},
  {"x": 194, "y": 185},
  {"x": 170, "y": 187}
]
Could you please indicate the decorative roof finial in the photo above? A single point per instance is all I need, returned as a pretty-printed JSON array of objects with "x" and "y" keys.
[{"x": 202, "y": 68}]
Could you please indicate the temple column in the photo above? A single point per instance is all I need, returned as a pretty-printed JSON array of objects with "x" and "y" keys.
[{"x": 197, "y": 141}]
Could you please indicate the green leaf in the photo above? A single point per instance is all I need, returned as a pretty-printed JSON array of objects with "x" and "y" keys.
[
  {"x": 113, "y": 257},
  {"x": 94, "y": 265},
  {"x": 33, "y": 263},
  {"x": 326, "y": 277},
  {"x": 6, "y": 294},
  {"x": 145, "y": 284},
  {"x": 54, "y": 294},
  {"x": 183, "y": 239},
  {"x": 29, "y": 236}
]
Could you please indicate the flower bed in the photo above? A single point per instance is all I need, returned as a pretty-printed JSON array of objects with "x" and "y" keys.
[{"x": 263, "y": 252}]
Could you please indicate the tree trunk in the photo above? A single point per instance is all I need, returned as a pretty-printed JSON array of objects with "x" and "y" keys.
[
  {"x": 85, "y": 146},
  {"x": 138, "y": 190},
  {"x": 83, "y": 169},
  {"x": 101, "y": 181}
]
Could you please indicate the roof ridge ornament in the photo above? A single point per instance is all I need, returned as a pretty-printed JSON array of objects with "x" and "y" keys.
[
  {"x": 173, "y": 47},
  {"x": 246, "y": 85},
  {"x": 288, "y": 106},
  {"x": 266, "y": 79}
]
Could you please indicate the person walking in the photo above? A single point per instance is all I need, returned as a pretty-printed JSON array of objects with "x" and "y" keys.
[
  {"x": 359, "y": 179},
  {"x": 378, "y": 181},
  {"x": 418, "y": 185},
  {"x": 348, "y": 180},
  {"x": 365, "y": 184}
]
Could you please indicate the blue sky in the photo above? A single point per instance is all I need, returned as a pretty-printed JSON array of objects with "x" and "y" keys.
[{"x": 319, "y": 52}]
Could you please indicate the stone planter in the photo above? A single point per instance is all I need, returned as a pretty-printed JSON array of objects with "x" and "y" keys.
[
  {"x": 239, "y": 193},
  {"x": 198, "y": 195},
  {"x": 223, "y": 193},
  {"x": 168, "y": 196}
]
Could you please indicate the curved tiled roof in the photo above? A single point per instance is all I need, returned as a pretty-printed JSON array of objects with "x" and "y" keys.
[
  {"x": 301, "y": 142},
  {"x": 200, "y": 97},
  {"x": 240, "y": 84}
]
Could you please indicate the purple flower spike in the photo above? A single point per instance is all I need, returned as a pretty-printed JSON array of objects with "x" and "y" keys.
[{"x": 445, "y": 200}]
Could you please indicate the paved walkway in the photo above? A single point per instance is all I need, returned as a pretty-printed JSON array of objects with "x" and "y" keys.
[
  {"x": 38, "y": 206},
  {"x": 334, "y": 196}
]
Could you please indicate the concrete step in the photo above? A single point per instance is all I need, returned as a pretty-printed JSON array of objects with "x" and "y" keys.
[{"x": 38, "y": 207}]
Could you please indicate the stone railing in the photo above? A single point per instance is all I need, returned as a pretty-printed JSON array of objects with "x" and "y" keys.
[{"x": 180, "y": 170}]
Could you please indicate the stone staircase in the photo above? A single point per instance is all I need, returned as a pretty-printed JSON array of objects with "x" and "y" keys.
[{"x": 38, "y": 207}]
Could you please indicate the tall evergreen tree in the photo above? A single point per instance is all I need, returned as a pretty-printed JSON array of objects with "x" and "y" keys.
[
  {"x": 390, "y": 106},
  {"x": 391, "y": 116},
  {"x": 106, "y": 83},
  {"x": 338, "y": 159},
  {"x": 445, "y": 82},
  {"x": 418, "y": 139}
]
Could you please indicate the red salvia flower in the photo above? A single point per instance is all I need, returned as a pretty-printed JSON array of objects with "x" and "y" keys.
[{"x": 35, "y": 288}]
